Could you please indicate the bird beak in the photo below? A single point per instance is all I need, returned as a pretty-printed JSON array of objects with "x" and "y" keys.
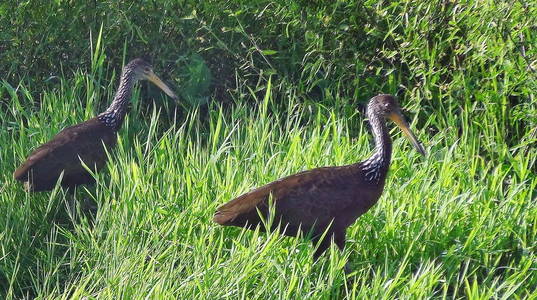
[
  {"x": 398, "y": 119},
  {"x": 154, "y": 79}
]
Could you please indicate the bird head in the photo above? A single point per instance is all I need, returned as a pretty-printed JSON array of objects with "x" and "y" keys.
[
  {"x": 144, "y": 71},
  {"x": 387, "y": 106}
]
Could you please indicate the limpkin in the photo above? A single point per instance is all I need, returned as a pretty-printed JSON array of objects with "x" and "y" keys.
[
  {"x": 321, "y": 203},
  {"x": 85, "y": 142}
]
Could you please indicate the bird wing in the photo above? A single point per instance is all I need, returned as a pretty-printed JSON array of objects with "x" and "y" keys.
[
  {"x": 21, "y": 173},
  {"x": 299, "y": 197},
  {"x": 64, "y": 151}
]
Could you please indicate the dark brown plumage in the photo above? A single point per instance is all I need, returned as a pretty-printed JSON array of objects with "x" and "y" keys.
[
  {"x": 85, "y": 142},
  {"x": 325, "y": 199}
]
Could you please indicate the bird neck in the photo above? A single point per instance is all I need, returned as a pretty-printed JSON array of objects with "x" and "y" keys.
[
  {"x": 377, "y": 165},
  {"x": 114, "y": 115}
]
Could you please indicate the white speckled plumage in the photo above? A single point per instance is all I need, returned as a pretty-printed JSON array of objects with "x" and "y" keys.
[
  {"x": 380, "y": 160},
  {"x": 87, "y": 142},
  {"x": 115, "y": 114}
]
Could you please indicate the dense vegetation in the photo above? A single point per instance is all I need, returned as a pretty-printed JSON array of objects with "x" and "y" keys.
[{"x": 269, "y": 88}]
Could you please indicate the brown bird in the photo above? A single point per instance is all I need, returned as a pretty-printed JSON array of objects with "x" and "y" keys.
[
  {"x": 85, "y": 142},
  {"x": 323, "y": 200}
]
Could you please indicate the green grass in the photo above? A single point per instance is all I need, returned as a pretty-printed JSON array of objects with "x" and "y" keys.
[
  {"x": 286, "y": 86},
  {"x": 452, "y": 224}
]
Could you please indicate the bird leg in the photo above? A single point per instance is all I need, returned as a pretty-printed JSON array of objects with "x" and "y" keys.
[
  {"x": 86, "y": 206},
  {"x": 322, "y": 245},
  {"x": 339, "y": 238}
]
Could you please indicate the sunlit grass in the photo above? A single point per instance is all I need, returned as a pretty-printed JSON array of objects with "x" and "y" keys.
[
  {"x": 458, "y": 223},
  {"x": 452, "y": 224}
]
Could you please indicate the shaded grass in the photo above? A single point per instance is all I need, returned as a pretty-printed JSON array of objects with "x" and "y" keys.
[{"x": 478, "y": 55}]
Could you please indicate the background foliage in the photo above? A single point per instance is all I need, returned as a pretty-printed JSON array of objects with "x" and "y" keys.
[{"x": 461, "y": 223}]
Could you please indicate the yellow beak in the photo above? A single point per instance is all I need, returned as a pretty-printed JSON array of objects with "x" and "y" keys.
[
  {"x": 154, "y": 79},
  {"x": 398, "y": 119}
]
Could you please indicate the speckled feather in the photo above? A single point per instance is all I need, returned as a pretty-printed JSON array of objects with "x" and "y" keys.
[
  {"x": 319, "y": 200},
  {"x": 64, "y": 152},
  {"x": 85, "y": 142},
  {"x": 299, "y": 199}
]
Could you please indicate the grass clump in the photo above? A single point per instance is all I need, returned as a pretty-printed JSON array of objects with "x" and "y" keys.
[
  {"x": 451, "y": 225},
  {"x": 282, "y": 83}
]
